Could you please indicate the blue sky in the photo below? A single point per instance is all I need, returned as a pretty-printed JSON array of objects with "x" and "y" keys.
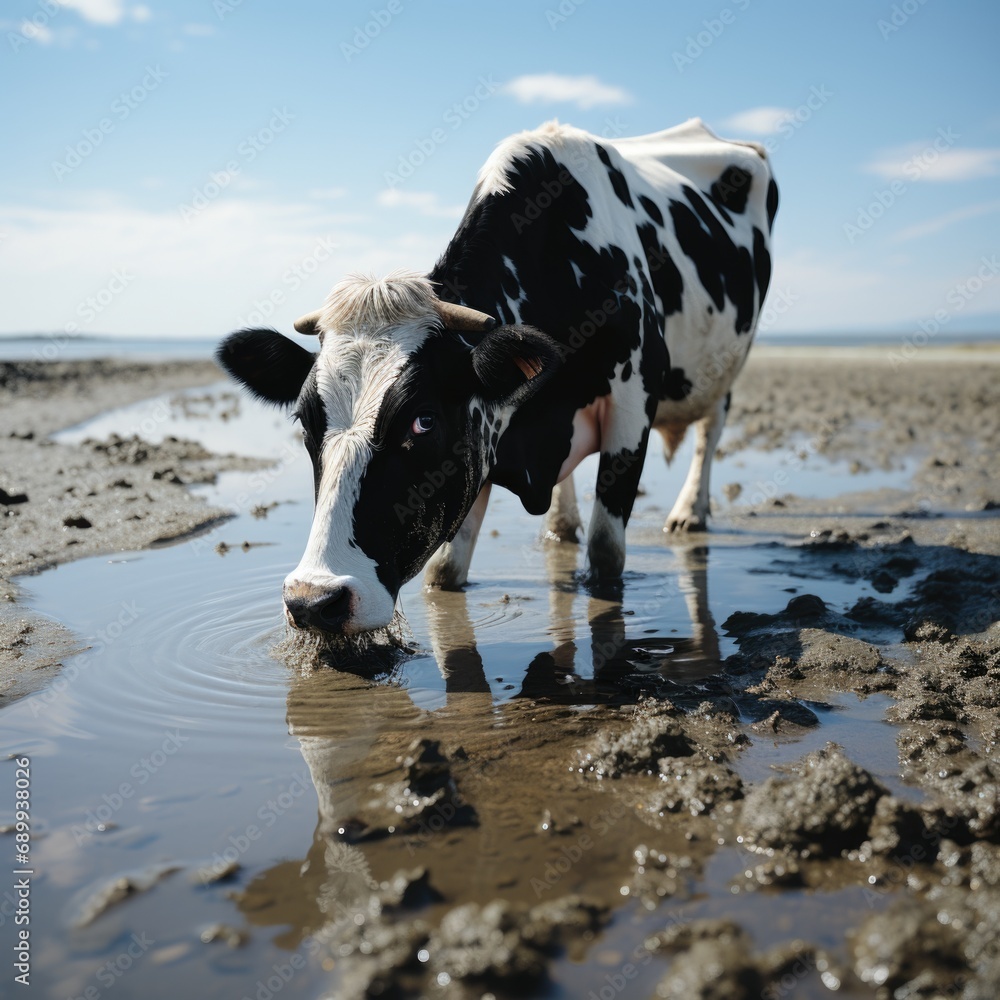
[{"x": 181, "y": 169}]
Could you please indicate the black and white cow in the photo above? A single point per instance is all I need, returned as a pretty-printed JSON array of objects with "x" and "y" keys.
[{"x": 594, "y": 289}]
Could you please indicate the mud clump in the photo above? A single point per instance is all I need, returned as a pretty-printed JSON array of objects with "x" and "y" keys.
[
  {"x": 497, "y": 945},
  {"x": 892, "y": 949},
  {"x": 715, "y": 961},
  {"x": 696, "y": 785},
  {"x": 825, "y": 809},
  {"x": 638, "y": 749}
]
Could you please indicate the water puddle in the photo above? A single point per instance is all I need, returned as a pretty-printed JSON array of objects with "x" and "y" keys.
[{"x": 178, "y": 741}]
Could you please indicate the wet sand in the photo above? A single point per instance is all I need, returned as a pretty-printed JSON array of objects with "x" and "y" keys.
[
  {"x": 62, "y": 502},
  {"x": 669, "y": 825}
]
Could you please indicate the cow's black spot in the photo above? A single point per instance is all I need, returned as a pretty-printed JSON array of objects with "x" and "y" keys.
[
  {"x": 761, "y": 264},
  {"x": 416, "y": 491},
  {"x": 732, "y": 189},
  {"x": 617, "y": 178},
  {"x": 618, "y": 478},
  {"x": 724, "y": 269},
  {"x": 626, "y": 371},
  {"x": 772, "y": 203},
  {"x": 676, "y": 385},
  {"x": 652, "y": 209},
  {"x": 667, "y": 281}
]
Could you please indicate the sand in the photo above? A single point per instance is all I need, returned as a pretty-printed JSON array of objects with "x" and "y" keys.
[{"x": 664, "y": 753}]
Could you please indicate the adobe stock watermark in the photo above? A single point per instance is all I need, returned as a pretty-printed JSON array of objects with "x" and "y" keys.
[
  {"x": 257, "y": 485},
  {"x": 711, "y": 30},
  {"x": 957, "y": 298},
  {"x": 365, "y": 34},
  {"x": 223, "y": 8},
  {"x": 110, "y": 634},
  {"x": 35, "y": 27},
  {"x": 571, "y": 854},
  {"x": 432, "y": 481},
  {"x": 88, "y": 310},
  {"x": 899, "y": 15},
  {"x": 554, "y": 16},
  {"x": 912, "y": 169},
  {"x": 292, "y": 280},
  {"x": 787, "y": 125},
  {"x": 142, "y": 771},
  {"x": 247, "y": 151},
  {"x": 267, "y": 815},
  {"x": 121, "y": 108},
  {"x": 457, "y": 114}
]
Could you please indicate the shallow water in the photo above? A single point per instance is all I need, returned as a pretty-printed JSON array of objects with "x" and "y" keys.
[{"x": 180, "y": 740}]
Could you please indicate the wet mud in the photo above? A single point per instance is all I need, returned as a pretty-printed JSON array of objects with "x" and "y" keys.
[{"x": 782, "y": 785}]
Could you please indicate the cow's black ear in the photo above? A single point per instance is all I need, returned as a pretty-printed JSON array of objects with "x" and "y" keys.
[
  {"x": 271, "y": 366},
  {"x": 512, "y": 363}
]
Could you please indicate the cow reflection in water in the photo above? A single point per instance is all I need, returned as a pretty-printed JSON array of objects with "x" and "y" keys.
[{"x": 511, "y": 804}]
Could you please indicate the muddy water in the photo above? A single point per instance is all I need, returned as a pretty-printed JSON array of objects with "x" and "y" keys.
[{"x": 180, "y": 747}]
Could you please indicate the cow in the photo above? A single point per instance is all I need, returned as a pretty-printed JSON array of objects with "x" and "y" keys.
[{"x": 595, "y": 289}]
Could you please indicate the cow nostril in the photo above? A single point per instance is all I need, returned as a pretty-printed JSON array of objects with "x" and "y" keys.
[
  {"x": 327, "y": 611},
  {"x": 335, "y": 607}
]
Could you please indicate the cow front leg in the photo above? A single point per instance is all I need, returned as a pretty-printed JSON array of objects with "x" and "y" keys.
[
  {"x": 448, "y": 568},
  {"x": 617, "y": 484},
  {"x": 690, "y": 511},
  {"x": 562, "y": 522}
]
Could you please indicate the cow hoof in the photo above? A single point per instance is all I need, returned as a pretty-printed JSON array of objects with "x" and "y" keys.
[{"x": 678, "y": 525}]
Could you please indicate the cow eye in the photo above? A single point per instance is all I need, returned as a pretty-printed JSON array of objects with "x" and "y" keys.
[{"x": 422, "y": 423}]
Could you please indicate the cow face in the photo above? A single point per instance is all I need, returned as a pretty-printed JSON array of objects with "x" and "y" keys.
[{"x": 401, "y": 413}]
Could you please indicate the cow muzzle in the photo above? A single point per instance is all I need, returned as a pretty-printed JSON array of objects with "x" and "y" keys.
[
  {"x": 323, "y": 609},
  {"x": 336, "y": 604}
]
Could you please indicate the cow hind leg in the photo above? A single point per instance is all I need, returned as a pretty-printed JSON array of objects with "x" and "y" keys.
[
  {"x": 448, "y": 568},
  {"x": 690, "y": 511},
  {"x": 562, "y": 522}
]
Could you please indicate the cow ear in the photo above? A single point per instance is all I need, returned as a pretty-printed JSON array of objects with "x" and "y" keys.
[
  {"x": 510, "y": 364},
  {"x": 271, "y": 366}
]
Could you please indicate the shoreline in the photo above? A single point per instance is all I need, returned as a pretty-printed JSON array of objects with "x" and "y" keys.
[
  {"x": 85, "y": 500},
  {"x": 133, "y": 494}
]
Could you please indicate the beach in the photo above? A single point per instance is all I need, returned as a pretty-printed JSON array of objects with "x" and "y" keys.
[{"x": 561, "y": 789}]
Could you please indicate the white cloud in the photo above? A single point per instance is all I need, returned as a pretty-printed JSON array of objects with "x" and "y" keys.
[
  {"x": 140, "y": 13},
  {"x": 196, "y": 278},
  {"x": 199, "y": 30},
  {"x": 424, "y": 202},
  {"x": 765, "y": 120},
  {"x": 97, "y": 11},
  {"x": 932, "y": 163},
  {"x": 939, "y": 222},
  {"x": 583, "y": 91},
  {"x": 36, "y": 32}
]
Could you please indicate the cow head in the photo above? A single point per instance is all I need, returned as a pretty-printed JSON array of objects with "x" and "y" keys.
[{"x": 401, "y": 411}]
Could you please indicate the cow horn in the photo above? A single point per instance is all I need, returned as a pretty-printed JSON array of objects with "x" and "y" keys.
[
  {"x": 456, "y": 317},
  {"x": 308, "y": 324}
]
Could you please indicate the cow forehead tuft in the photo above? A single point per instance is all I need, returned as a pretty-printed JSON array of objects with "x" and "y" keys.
[{"x": 367, "y": 306}]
